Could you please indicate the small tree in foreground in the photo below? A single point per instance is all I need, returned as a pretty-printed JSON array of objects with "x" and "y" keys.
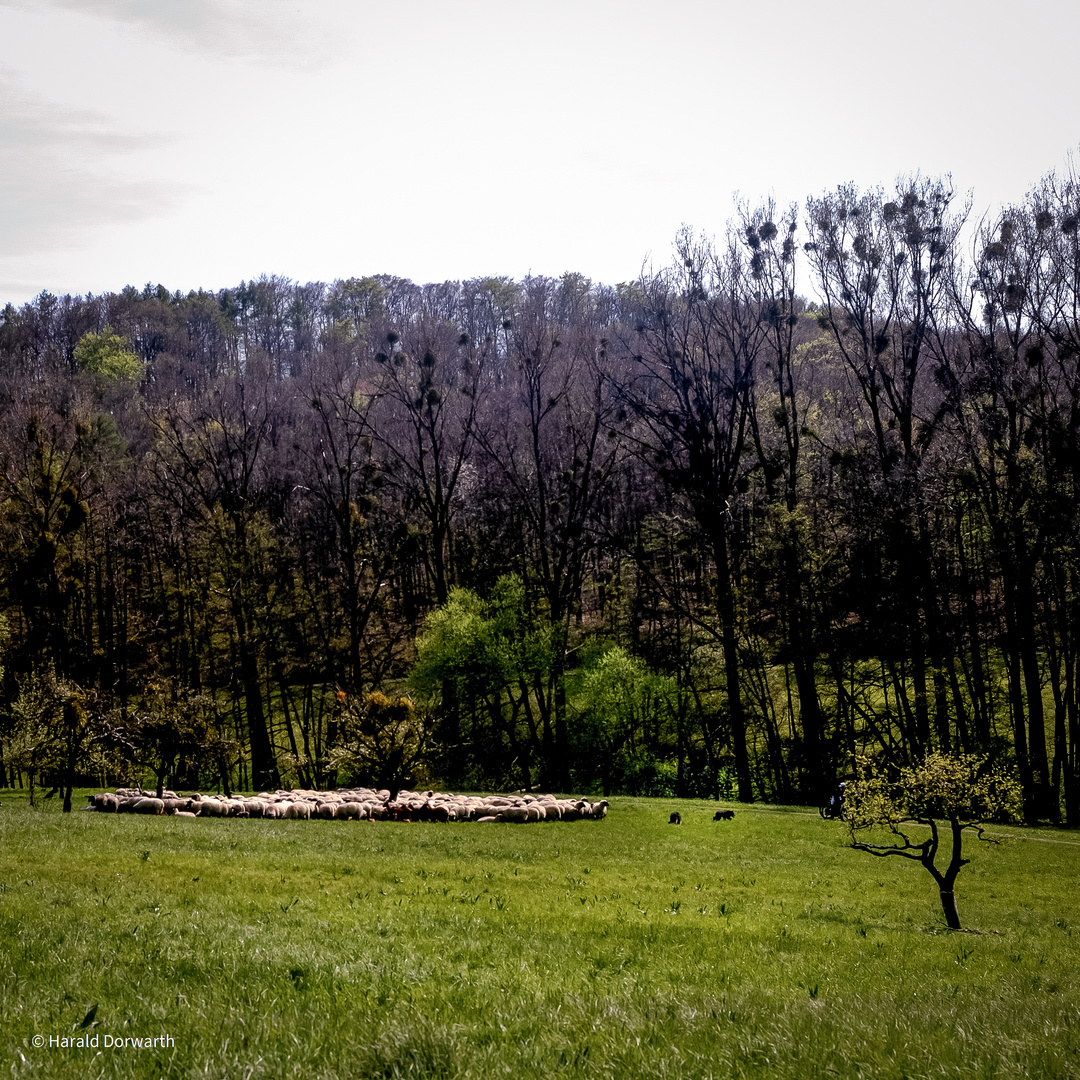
[{"x": 945, "y": 793}]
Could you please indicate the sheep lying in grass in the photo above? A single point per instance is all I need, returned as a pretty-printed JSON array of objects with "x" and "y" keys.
[
  {"x": 106, "y": 802},
  {"x": 355, "y": 804},
  {"x": 211, "y": 808}
]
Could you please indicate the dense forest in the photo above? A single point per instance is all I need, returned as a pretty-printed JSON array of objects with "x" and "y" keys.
[{"x": 694, "y": 534}]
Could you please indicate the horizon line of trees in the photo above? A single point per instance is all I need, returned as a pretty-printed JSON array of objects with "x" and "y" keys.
[{"x": 669, "y": 536}]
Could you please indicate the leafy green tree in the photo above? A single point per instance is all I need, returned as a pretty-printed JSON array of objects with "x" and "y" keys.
[
  {"x": 108, "y": 355},
  {"x": 625, "y": 716},
  {"x": 495, "y": 657},
  {"x": 383, "y": 742},
  {"x": 947, "y": 794},
  {"x": 56, "y": 734},
  {"x": 176, "y": 729}
]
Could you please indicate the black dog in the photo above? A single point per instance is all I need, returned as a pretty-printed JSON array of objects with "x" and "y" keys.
[
  {"x": 723, "y": 815},
  {"x": 675, "y": 819}
]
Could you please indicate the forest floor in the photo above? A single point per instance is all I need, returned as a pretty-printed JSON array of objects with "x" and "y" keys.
[{"x": 757, "y": 947}]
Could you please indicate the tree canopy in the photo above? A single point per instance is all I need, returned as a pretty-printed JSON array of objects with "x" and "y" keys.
[
  {"x": 107, "y": 354},
  {"x": 945, "y": 795}
]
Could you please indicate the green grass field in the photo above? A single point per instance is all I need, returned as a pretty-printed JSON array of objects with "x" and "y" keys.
[{"x": 759, "y": 947}]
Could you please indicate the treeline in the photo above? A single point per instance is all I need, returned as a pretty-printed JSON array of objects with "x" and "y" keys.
[{"x": 666, "y": 536}]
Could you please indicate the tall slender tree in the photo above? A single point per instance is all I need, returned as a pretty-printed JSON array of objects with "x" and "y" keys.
[{"x": 696, "y": 349}]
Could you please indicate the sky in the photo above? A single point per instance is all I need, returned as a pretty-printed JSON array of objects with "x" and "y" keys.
[{"x": 198, "y": 143}]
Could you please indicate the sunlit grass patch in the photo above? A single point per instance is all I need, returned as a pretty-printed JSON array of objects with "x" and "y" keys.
[{"x": 762, "y": 946}]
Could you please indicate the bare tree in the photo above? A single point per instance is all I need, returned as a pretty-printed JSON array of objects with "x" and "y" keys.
[
  {"x": 696, "y": 350},
  {"x": 430, "y": 382},
  {"x": 884, "y": 268},
  {"x": 550, "y": 441},
  {"x": 210, "y": 463}
]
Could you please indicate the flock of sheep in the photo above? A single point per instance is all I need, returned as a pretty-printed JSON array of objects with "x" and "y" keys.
[{"x": 353, "y": 804}]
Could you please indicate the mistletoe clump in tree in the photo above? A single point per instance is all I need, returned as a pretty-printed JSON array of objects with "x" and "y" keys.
[{"x": 946, "y": 794}]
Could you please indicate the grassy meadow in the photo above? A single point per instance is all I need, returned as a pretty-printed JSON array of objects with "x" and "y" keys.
[{"x": 758, "y": 947}]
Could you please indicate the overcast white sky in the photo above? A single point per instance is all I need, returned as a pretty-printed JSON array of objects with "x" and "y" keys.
[{"x": 199, "y": 142}]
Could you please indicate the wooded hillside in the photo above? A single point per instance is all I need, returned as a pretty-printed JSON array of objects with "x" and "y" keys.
[{"x": 673, "y": 535}]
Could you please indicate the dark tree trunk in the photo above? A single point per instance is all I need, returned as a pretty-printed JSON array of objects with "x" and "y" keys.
[
  {"x": 948, "y": 906},
  {"x": 725, "y": 601},
  {"x": 264, "y": 774},
  {"x": 947, "y": 880}
]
